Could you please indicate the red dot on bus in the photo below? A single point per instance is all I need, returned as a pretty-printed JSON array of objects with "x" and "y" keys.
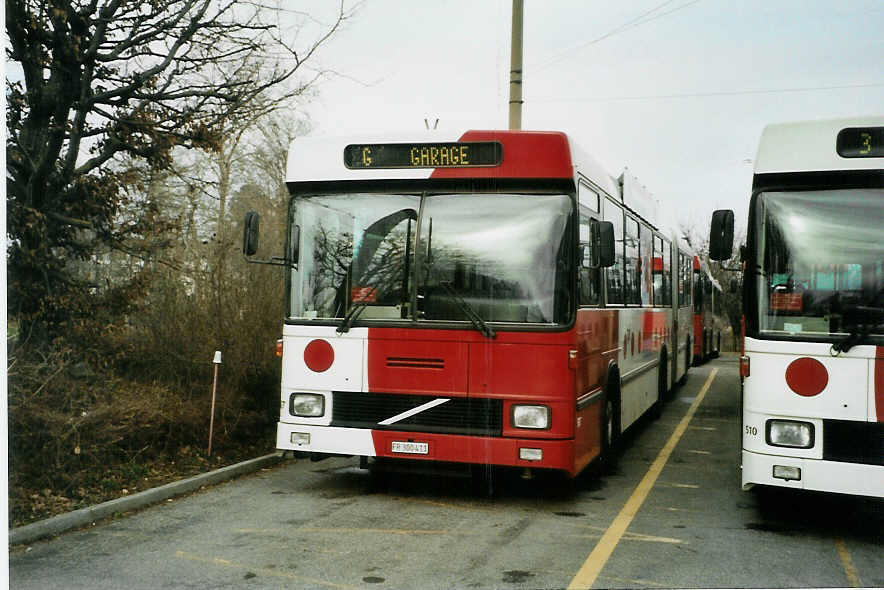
[
  {"x": 319, "y": 355},
  {"x": 807, "y": 376}
]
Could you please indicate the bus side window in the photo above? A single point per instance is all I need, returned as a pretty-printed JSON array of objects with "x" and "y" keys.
[
  {"x": 587, "y": 278},
  {"x": 614, "y": 274},
  {"x": 667, "y": 273},
  {"x": 657, "y": 271},
  {"x": 688, "y": 274},
  {"x": 646, "y": 275},
  {"x": 684, "y": 281},
  {"x": 632, "y": 265}
]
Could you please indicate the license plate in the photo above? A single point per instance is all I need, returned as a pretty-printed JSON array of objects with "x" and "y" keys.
[{"x": 411, "y": 448}]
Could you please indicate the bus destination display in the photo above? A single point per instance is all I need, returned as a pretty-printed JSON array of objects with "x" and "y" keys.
[
  {"x": 861, "y": 142},
  {"x": 423, "y": 155}
]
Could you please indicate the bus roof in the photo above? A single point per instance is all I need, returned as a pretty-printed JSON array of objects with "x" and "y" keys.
[
  {"x": 522, "y": 154},
  {"x": 808, "y": 146}
]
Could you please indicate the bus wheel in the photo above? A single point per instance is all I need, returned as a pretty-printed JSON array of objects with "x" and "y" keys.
[
  {"x": 706, "y": 341},
  {"x": 657, "y": 408},
  {"x": 610, "y": 430},
  {"x": 687, "y": 364}
]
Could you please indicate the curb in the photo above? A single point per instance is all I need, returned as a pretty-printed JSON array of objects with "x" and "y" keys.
[{"x": 84, "y": 516}]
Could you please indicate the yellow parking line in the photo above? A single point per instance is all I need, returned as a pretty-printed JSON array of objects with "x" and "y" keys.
[
  {"x": 384, "y": 531},
  {"x": 593, "y": 565},
  {"x": 260, "y": 570},
  {"x": 847, "y": 564},
  {"x": 351, "y": 530},
  {"x": 641, "y": 583}
]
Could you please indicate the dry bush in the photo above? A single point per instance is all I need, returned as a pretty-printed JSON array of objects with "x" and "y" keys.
[{"x": 80, "y": 435}]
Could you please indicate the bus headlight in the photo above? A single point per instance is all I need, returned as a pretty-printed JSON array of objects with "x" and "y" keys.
[
  {"x": 790, "y": 433},
  {"x": 307, "y": 405},
  {"x": 536, "y": 417}
]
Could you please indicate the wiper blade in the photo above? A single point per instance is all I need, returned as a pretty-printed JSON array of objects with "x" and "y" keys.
[
  {"x": 861, "y": 320},
  {"x": 468, "y": 310},
  {"x": 360, "y": 305},
  {"x": 351, "y": 315}
]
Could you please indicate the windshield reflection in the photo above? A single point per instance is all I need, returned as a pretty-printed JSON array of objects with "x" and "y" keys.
[
  {"x": 821, "y": 262},
  {"x": 501, "y": 257}
]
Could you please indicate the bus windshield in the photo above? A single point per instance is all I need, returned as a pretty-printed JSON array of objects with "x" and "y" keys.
[
  {"x": 820, "y": 257},
  {"x": 443, "y": 257}
]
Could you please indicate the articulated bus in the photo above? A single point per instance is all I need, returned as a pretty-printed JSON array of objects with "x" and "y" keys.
[
  {"x": 813, "y": 300},
  {"x": 708, "y": 313},
  {"x": 493, "y": 298}
]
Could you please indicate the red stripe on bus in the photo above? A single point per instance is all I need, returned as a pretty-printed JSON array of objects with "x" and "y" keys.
[
  {"x": 879, "y": 382},
  {"x": 526, "y": 154}
]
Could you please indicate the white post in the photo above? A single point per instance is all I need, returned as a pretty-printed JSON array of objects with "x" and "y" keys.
[{"x": 216, "y": 361}]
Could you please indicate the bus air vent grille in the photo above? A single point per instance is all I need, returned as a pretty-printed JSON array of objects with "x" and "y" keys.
[
  {"x": 471, "y": 416},
  {"x": 853, "y": 442},
  {"x": 415, "y": 363}
]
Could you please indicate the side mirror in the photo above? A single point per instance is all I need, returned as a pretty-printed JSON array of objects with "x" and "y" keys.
[
  {"x": 250, "y": 234},
  {"x": 721, "y": 235},
  {"x": 605, "y": 244}
]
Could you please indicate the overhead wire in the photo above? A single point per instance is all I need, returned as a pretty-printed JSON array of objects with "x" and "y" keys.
[
  {"x": 708, "y": 94},
  {"x": 639, "y": 20}
]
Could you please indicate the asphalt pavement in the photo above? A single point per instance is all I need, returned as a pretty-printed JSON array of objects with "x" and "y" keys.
[{"x": 660, "y": 518}]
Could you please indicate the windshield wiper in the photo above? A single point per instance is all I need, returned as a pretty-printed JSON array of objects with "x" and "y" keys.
[
  {"x": 468, "y": 310},
  {"x": 351, "y": 315},
  {"x": 357, "y": 306},
  {"x": 861, "y": 320}
]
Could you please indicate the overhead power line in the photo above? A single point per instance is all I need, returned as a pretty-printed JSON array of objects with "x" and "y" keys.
[
  {"x": 641, "y": 19},
  {"x": 707, "y": 94}
]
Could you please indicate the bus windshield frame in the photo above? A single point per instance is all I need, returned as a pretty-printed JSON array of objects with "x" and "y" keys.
[
  {"x": 814, "y": 266},
  {"x": 443, "y": 259}
]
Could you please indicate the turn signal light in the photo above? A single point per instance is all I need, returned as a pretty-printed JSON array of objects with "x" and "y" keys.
[
  {"x": 744, "y": 366},
  {"x": 279, "y": 348}
]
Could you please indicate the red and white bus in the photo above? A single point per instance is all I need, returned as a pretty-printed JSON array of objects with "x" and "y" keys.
[
  {"x": 813, "y": 359},
  {"x": 490, "y": 298},
  {"x": 708, "y": 313}
]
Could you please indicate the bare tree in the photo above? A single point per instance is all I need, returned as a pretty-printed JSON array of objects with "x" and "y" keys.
[{"x": 110, "y": 85}]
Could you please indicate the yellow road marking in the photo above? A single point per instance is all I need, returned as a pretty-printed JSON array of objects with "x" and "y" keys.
[
  {"x": 627, "y": 535},
  {"x": 356, "y": 530},
  {"x": 847, "y": 564},
  {"x": 642, "y": 583},
  {"x": 453, "y": 506},
  {"x": 593, "y": 565},
  {"x": 689, "y": 486},
  {"x": 260, "y": 570},
  {"x": 633, "y": 537},
  {"x": 651, "y": 538}
]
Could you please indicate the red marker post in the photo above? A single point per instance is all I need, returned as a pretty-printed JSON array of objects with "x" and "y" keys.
[{"x": 216, "y": 361}]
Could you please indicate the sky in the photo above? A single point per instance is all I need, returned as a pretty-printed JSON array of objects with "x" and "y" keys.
[{"x": 678, "y": 91}]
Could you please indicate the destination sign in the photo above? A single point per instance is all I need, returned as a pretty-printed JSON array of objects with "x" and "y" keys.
[
  {"x": 861, "y": 142},
  {"x": 423, "y": 155}
]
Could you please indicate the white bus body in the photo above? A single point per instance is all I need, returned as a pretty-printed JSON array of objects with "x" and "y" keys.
[{"x": 813, "y": 360}]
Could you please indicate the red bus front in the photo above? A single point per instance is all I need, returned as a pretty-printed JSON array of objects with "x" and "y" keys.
[{"x": 431, "y": 308}]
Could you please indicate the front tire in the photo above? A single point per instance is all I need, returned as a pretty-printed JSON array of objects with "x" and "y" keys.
[
  {"x": 610, "y": 430},
  {"x": 662, "y": 382}
]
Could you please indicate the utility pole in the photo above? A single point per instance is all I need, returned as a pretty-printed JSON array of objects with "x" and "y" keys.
[{"x": 516, "y": 66}]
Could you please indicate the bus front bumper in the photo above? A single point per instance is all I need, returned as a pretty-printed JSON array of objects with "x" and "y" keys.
[
  {"x": 814, "y": 474},
  {"x": 513, "y": 452}
]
